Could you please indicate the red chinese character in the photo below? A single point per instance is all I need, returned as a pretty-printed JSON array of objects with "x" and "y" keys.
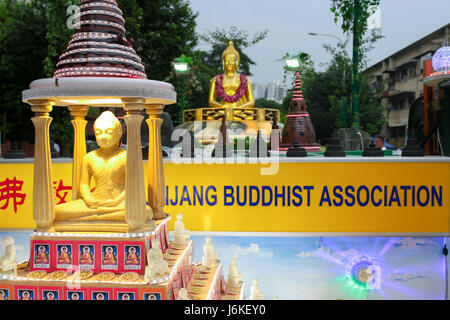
[
  {"x": 9, "y": 190},
  {"x": 60, "y": 188}
]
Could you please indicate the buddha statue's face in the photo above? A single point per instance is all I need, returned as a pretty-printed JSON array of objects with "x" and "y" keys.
[
  {"x": 108, "y": 130},
  {"x": 231, "y": 62}
]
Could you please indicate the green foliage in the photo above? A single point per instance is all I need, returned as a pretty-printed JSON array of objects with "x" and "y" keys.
[
  {"x": 345, "y": 10},
  {"x": 324, "y": 91},
  {"x": 161, "y": 30},
  {"x": 219, "y": 38},
  {"x": 22, "y": 50},
  {"x": 269, "y": 104},
  {"x": 335, "y": 84},
  {"x": 58, "y": 34},
  {"x": 371, "y": 113}
]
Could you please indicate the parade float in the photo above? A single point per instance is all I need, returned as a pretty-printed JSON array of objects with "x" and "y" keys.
[{"x": 111, "y": 242}]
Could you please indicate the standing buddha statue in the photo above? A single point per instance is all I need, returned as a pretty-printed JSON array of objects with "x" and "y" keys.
[{"x": 233, "y": 89}]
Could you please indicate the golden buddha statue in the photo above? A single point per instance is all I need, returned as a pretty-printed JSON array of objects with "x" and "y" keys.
[
  {"x": 234, "y": 89},
  {"x": 106, "y": 167}
]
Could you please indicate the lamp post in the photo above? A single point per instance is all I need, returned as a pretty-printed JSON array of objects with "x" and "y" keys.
[
  {"x": 344, "y": 108},
  {"x": 181, "y": 67},
  {"x": 324, "y": 34}
]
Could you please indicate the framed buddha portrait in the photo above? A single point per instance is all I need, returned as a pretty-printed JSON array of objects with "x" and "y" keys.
[
  {"x": 64, "y": 256},
  {"x": 132, "y": 257},
  {"x": 109, "y": 257},
  {"x": 41, "y": 256},
  {"x": 152, "y": 296},
  {"x": 86, "y": 256},
  {"x": 50, "y": 295},
  {"x": 101, "y": 294},
  {"x": 5, "y": 293},
  {"x": 26, "y": 293},
  {"x": 75, "y": 295},
  {"x": 126, "y": 294}
]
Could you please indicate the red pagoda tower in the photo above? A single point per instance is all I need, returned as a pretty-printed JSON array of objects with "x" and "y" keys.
[
  {"x": 298, "y": 127},
  {"x": 99, "y": 47}
]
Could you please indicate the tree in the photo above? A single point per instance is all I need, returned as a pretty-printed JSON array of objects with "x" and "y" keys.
[
  {"x": 354, "y": 15},
  {"x": 162, "y": 30},
  {"x": 219, "y": 39},
  {"x": 22, "y": 49},
  {"x": 269, "y": 104},
  {"x": 59, "y": 33}
]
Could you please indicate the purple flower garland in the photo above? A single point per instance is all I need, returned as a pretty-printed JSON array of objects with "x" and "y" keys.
[{"x": 239, "y": 92}]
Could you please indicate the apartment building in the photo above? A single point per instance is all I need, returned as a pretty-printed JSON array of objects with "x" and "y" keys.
[
  {"x": 273, "y": 91},
  {"x": 400, "y": 76}
]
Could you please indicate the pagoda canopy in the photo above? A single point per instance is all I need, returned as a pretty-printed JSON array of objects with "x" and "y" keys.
[{"x": 99, "y": 47}]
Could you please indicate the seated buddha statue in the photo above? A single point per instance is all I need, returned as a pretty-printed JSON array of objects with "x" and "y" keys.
[
  {"x": 106, "y": 167},
  {"x": 233, "y": 89}
]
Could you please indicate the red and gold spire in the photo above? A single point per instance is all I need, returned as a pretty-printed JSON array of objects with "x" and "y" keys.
[
  {"x": 99, "y": 47},
  {"x": 298, "y": 127},
  {"x": 298, "y": 93}
]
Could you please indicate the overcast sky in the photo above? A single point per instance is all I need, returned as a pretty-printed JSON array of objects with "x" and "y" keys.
[{"x": 289, "y": 21}]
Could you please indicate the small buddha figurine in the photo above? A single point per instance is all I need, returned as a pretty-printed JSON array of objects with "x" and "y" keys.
[
  {"x": 255, "y": 293},
  {"x": 8, "y": 263},
  {"x": 181, "y": 234},
  {"x": 106, "y": 167},
  {"x": 210, "y": 256},
  {"x": 156, "y": 266},
  {"x": 132, "y": 257},
  {"x": 41, "y": 256},
  {"x": 233, "y": 89},
  {"x": 109, "y": 256},
  {"x": 234, "y": 276},
  {"x": 86, "y": 257},
  {"x": 64, "y": 257}
]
